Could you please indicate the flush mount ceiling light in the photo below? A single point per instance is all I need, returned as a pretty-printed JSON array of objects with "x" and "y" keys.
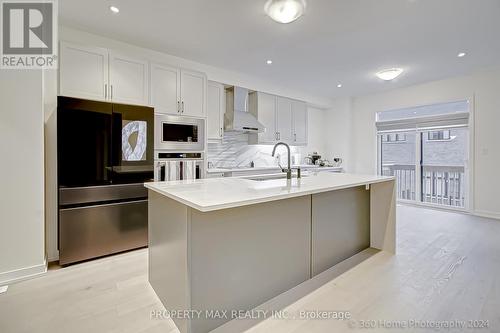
[
  {"x": 269, "y": 62},
  {"x": 389, "y": 74},
  {"x": 114, "y": 9},
  {"x": 461, "y": 55},
  {"x": 339, "y": 85},
  {"x": 285, "y": 11}
]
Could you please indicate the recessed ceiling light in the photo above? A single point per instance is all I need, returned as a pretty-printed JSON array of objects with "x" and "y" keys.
[
  {"x": 114, "y": 9},
  {"x": 461, "y": 55},
  {"x": 339, "y": 85},
  {"x": 269, "y": 62},
  {"x": 389, "y": 74},
  {"x": 285, "y": 11}
]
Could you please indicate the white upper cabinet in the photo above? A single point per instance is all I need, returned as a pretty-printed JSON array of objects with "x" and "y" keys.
[
  {"x": 165, "y": 89},
  {"x": 193, "y": 93},
  {"x": 299, "y": 113},
  {"x": 83, "y": 71},
  {"x": 128, "y": 79},
  {"x": 178, "y": 91},
  {"x": 216, "y": 105},
  {"x": 96, "y": 73},
  {"x": 284, "y": 120},
  {"x": 263, "y": 106}
]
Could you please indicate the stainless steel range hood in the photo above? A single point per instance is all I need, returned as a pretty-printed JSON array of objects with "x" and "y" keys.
[{"x": 237, "y": 117}]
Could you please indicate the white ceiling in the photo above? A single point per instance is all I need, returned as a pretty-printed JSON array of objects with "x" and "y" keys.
[{"x": 336, "y": 41}]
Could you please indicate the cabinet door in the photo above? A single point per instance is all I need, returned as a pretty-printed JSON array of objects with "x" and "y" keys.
[
  {"x": 284, "y": 119},
  {"x": 165, "y": 89},
  {"x": 83, "y": 71},
  {"x": 215, "y": 110},
  {"x": 128, "y": 79},
  {"x": 299, "y": 113},
  {"x": 193, "y": 95},
  {"x": 267, "y": 116}
]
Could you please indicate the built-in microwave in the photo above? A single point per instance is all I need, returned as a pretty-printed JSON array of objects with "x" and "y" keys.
[{"x": 174, "y": 133}]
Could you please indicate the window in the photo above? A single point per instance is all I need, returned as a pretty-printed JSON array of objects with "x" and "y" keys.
[
  {"x": 439, "y": 135},
  {"x": 394, "y": 137}
]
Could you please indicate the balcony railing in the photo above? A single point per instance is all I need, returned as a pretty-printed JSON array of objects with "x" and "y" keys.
[{"x": 442, "y": 185}]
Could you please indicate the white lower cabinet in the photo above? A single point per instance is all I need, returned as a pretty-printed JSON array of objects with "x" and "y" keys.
[
  {"x": 214, "y": 175},
  {"x": 216, "y": 105}
]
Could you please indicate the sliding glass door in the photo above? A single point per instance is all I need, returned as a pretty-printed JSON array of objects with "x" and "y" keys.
[
  {"x": 398, "y": 158},
  {"x": 426, "y": 149},
  {"x": 430, "y": 166},
  {"x": 443, "y": 168}
]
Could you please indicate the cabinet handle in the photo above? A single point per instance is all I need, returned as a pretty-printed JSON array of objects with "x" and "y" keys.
[
  {"x": 221, "y": 132},
  {"x": 105, "y": 91},
  {"x": 178, "y": 107},
  {"x": 295, "y": 137},
  {"x": 182, "y": 109},
  {"x": 111, "y": 91},
  {"x": 279, "y": 136}
]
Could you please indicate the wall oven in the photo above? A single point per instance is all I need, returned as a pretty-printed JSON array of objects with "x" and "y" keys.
[
  {"x": 171, "y": 166},
  {"x": 176, "y": 133}
]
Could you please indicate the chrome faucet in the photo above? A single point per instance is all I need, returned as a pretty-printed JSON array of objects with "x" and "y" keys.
[{"x": 289, "y": 169}]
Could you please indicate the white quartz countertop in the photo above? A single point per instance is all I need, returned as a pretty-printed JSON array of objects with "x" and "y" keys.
[
  {"x": 260, "y": 168},
  {"x": 220, "y": 193}
]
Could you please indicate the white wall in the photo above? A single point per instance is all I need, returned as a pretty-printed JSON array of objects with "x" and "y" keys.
[
  {"x": 22, "y": 250},
  {"x": 482, "y": 88},
  {"x": 315, "y": 132},
  {"x": 51, "y": 206},
  {"x": 338, "y": 132}
]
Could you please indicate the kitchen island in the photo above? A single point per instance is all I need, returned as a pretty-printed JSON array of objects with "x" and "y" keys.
[{"x": 231, "y": 244}]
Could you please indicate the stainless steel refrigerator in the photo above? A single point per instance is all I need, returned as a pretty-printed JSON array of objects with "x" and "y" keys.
[{"x": 105, "y": 154}]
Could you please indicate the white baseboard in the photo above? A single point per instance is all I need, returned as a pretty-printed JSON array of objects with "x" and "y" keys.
[
  {"x": 487, "y": 214},
  {"x": 23, "y": 273},
  {"x": 476, "y": 212},
  {"x": 51, "y": 257}
]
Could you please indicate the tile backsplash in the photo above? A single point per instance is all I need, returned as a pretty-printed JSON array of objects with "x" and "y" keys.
[{"x": 234, "y": 151}]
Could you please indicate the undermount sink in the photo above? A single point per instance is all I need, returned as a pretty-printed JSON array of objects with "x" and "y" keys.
[{"x": 271, "y": 177}]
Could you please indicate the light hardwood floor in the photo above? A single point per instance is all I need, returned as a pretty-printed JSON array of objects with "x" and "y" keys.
[{"x": 447, "y": 268}]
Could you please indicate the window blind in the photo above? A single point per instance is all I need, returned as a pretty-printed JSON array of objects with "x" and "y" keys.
[{"x": 446, "y": 115}]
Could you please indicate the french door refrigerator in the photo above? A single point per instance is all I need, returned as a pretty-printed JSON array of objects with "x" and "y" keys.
[{"x": 105, "y": 154}]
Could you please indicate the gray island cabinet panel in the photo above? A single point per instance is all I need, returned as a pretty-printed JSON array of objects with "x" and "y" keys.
[
  {"x": 340, "y": 226},
  {"x": 168, "y": 256},
  {"x": 229, "y": 259},
  {"x": 242, "y": 257}
]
